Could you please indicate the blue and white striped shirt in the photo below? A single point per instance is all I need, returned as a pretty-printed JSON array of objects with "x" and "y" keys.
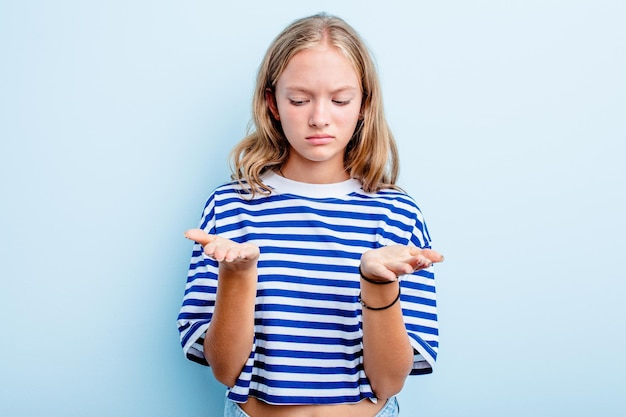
[{"x": 308, "y": 331}]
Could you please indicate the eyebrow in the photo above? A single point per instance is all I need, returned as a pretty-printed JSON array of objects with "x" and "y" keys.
[{"x": 341, "y": 89}]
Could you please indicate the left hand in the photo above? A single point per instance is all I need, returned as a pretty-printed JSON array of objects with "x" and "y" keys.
[{"x": 387, "y": 263}]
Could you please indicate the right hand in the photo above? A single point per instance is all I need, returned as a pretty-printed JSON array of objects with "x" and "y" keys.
[{"x": 230, "y": 255}]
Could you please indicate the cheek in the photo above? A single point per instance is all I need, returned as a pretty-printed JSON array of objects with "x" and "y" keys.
[
  {"x": 292, "y": 123},
  {"x": 290, "y": 114},
  {"x": 349, "y": 114},
  {"x": 348, "y": 118}
]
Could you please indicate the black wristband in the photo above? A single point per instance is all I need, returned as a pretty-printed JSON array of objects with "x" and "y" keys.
[
  {"x": 380, "y": 308},
  {"x": 371, "y": 281}
]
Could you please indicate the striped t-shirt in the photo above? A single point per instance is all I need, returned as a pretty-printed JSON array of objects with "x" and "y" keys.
[{"x": 308, "y": 331}]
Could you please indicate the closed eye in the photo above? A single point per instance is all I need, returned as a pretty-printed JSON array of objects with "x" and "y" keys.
[
  {"x": 298, "y": 102},
  {"x": 341, "y": 102}
]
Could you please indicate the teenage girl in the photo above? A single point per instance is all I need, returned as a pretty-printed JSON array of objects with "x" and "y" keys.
[{"x": 311, "y": 289}]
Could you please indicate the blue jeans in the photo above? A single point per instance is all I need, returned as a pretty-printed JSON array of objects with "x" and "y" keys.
[{"x": 391, "y": 409}]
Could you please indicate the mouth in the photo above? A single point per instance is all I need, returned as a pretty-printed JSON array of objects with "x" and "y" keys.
[{"x": 319, "y": 139}]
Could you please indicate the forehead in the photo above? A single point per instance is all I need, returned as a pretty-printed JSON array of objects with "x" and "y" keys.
[{"x": 322, "y": 66}]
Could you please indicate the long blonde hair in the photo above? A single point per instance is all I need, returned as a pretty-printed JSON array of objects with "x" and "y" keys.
[{"x": 371, "y": 155}]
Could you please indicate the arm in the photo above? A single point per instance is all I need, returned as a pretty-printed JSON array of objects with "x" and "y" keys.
[
  {"x": 230, "y": 336},
  {"x": 387, "y": 351}
]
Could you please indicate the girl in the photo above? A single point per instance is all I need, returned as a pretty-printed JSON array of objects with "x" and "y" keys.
[{"x": 310, "y": 291}]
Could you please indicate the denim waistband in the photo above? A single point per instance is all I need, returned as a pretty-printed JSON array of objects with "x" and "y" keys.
[{"x": 391, "y": 409}]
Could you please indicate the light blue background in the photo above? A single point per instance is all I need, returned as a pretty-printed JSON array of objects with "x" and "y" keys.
[{"x": 116, "y": 119}]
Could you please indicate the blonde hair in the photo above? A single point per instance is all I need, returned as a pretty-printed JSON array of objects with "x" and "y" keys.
[{"x": 371, "y": 155}]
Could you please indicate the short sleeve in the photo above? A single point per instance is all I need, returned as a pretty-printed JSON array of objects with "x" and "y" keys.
[
  {"x": 199, "y": 299},
  {"x": 419, "y": 308},
  {"x": 419, "y": 303}
]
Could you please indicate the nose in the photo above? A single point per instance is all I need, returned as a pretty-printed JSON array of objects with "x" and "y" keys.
[{"x": 320, "y": 116}]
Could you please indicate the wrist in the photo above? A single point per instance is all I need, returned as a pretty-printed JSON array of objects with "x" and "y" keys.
[
  {"x": 373, "y": 295},
  {"x": 380, "y": 298},
  {"x": 242, "y": 276},
  {"x": 374, "y": 281}
]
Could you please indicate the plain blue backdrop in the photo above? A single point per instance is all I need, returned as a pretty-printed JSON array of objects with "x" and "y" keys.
[{"x": 116, "y": 119}]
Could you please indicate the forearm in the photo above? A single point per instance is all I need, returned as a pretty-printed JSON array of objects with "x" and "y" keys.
[
  {"x": 230, "y": 336},
  {"x": 387, "y": 351}
]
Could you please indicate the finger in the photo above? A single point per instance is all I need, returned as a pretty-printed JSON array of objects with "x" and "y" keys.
[
  {"x": 423, "y": 262},
  {"x": 210, "y": 248},
  {"x": 233, "y": 254},
  {"x": 404, "y": 268},
  {"x": 251, "y": 249},
  {"x": 220, "y": 253},
  {"x": 420, "y": 262},
  {"x": 248, "y": 252},
  {"x": 432, "y": 255},
  {"x": 382, "y": 271},
  {"x": 200, "y": 236}
]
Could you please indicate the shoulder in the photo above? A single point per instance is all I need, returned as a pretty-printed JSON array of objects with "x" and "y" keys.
[
  {"x": 402, "y": 213},
  {"x": 395, "y": 199},
  {"x": 226, "y": 194},
  {"x": 230, "y": 190}
]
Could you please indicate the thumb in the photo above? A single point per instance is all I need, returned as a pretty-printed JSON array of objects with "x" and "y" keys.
[{"x": 200, "y": 236}]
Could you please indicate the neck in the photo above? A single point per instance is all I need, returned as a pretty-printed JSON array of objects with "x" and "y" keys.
[{"x": 314, "y": 174}]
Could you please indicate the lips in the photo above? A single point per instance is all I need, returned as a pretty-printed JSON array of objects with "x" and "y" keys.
[{"x": 320, "y": 139}]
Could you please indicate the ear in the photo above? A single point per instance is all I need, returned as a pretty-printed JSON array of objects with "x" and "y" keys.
[{"x": 270, "y": 99}]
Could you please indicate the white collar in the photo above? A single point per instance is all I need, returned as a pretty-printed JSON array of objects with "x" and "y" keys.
[{"x": 282, "y": 185}]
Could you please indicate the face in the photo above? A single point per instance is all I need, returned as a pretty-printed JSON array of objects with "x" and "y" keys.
[{"x": 318, "y": 102}]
